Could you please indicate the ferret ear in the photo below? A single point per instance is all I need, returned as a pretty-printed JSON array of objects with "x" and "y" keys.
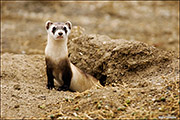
[
  {"x": 69, "y": 24},
  {"x": 48, "y": 24}
]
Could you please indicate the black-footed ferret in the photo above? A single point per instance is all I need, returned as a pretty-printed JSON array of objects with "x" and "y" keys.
[{"x": 58, "y": 65}]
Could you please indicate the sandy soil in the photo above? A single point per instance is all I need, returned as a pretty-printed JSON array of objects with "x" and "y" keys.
[
  {"x": 141, "y": 78},
  {"x": 141, "y": 82}
]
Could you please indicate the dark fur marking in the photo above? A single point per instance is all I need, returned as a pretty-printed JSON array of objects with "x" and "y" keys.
[
  {"x": 60, "y": 26},
  {"x": 65, "y": 29},
  {"x": 47, "y": 27},
  {"x": 68, "y": 24},
  {"x": 48, "y": 24},
  {"x": 66, "y": 73},
  {"x": 54, "y": 30},
  {"x": 63, "y": 67},
  {"x": 50, "y": 77}
]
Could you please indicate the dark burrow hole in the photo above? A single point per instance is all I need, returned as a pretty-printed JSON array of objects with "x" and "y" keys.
[{"x": 102, "y": 78}]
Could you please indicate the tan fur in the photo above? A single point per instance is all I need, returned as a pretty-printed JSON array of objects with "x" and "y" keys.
[{"x": 82, "y": 81}]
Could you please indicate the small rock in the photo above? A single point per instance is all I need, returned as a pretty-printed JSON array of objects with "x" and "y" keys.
[
  {"x": 99, "y": 106},
  {"x": 17, "y": 87},
  {"x": 58, "y": 115},
  {"x": 104, "y": 42},
  {"x": 158, "y": 83},
  {"x": 133, "y": 113},
  {"x": 161, "y": 109},
  {"x": 75, "y": 114},
  {"x": 169, "y": 88},
  {"x": 51, "y": 116},
  {"x": 128, "y": 101},
  {"x": 16, "y": 106},
  {"x": 107, "y": 107},
  {"x": 77, "y": 109},
  {"x": 89, "y": 95},
  {"x": 114, "y": 91},
  {"x": 41, "y": 106},
  {"x": 163, "y": 99},
  {"x": 66, "y": 99},
  {"x": 121, "y": 108},
  {"x": 80, "y": 53},
  {"x": 42, "y": 97},
  {"x": 104, "y": 97},
  {"x": 23, "y": 52},
  {"x": 113, "y": 84}
]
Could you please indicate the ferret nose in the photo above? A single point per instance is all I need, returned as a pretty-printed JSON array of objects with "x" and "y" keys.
[{"x": 60, "y": 33}]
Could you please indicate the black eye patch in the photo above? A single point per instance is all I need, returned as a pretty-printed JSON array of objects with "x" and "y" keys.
[
  {"x": 65, "y": 29},
  {"x": 54, "y": 30}
]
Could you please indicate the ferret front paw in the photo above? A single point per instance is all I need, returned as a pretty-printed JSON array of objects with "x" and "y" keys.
[
  {"x": 63, "y": 88},
  {"x": 50, "y": 86}
]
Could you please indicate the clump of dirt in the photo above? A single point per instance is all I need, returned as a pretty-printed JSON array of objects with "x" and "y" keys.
[{"x": 140, "y": 81}]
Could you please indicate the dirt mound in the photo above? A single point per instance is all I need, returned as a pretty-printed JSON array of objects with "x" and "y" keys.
[
  {"x": 116, "y": 60},
  {"x": 140, "y": 82}
]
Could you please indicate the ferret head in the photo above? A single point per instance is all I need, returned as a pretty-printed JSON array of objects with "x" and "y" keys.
[{"x": 58, "y": 30}]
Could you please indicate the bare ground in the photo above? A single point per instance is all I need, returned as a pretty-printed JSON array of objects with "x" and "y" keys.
[{"x": 141, "y": 82}]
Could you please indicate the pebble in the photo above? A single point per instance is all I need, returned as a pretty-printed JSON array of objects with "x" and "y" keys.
[
  {"x": 77, "y": 109},
  {"x": 17, "y": 87},
  {"x": 161, "y": 109},
  {"x": 104, "y": 97},
  {"x": 121, "y": 108},
  {"x": 106, "y": 106},
  {"x": 163, "y": 99},
  {"x": 80, "y": 53},
  {"x": 23, "y": 52},
  {"x": 16, "y": 106},
  {"x": 104, "y": 42},
  {"x": 75, "y": 114},
  {"x": 114, "y": 91}
]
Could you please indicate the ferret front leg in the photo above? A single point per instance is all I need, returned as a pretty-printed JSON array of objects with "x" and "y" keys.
[
  {"x": 65, "y": 86},
  {"x": 66, "y": 77},
  {"x": 50, "y": 78}
]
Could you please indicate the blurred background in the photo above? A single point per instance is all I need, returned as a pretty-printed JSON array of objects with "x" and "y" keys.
[{"x": 155, "y": 23}]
